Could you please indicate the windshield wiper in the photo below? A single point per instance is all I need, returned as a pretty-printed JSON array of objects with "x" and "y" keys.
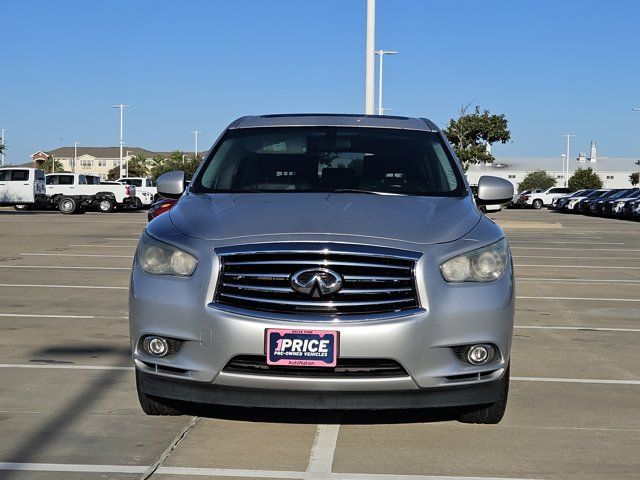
[{"x": 366, "y": 192}]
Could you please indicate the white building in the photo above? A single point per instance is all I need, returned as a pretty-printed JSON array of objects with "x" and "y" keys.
[{"x": 614, "y": 172}]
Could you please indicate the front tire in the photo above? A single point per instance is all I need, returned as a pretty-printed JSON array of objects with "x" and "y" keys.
[
  {"x": 153, "y": 406},
  {"x": 106, "y": 205},
  {"x": 537, "y": 204},
  {"x": 68, "y": 205},
  {"x": 492, "y": 413}
]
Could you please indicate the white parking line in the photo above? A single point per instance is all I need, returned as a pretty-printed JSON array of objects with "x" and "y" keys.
[
  {"x": 574, "y": 258},
  {"x": 132, "y": 238},
  {"x": 63, "y": 366},
  {"x": 91, "y": 287},
  {"x": 93, "y": 245},
  {"x": 594, "y": 299},
  {"x": 577, "y": 281},
  {"x": 38, "y": 315},
  {"x": 538, "y": 242},
  {"x": 323, "y": 450},
  {"x": 584, "y": 249},
  {"x": 73, "y": 255},
  {"x": 575, "y": 266},
  {"x": 63, "y": 267},
  {"x": 225, "y": 472},
  {"x": 588, "y": 329},
  {"x": 576, "y": 380}
]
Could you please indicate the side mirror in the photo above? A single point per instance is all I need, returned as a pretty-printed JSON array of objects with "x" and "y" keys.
[
  {"x": 171, "y": 184},
  {"x": 494, "y": 190}
]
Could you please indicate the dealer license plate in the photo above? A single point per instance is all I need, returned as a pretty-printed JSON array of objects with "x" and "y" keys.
[{"x": 301, "y": 348}]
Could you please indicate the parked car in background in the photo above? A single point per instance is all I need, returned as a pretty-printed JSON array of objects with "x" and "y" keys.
[
  {"x": 622, "y": 206},
  {"x": 520, "y": 200},
  {"x": 146, "y": 191},
  {"x": 588, "y": 207},
  {"x": 161, "y": 206},
  {"x": 22, "y": 188},
  {"x": 558, "y": 203},
  {"x": 606, "y": 208},
  {"x": 538, "y": 199},
  {"x": 634, "y": 208},
  {"x": 574, "y": 203},
  {"x": 71, "y": 193}
]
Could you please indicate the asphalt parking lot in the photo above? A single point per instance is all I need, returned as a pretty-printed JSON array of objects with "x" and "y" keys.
[{"x": 68, "y": 408}]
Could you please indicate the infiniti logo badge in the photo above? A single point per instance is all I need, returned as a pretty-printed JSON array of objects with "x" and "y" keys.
[{"x": 316, "y": 282}]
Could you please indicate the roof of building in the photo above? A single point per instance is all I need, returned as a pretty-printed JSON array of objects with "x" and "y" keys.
[
  {"x": 100, "y": 152},
  {"x": 333, "y": 120},
  {"x": 527, "y": 164}
]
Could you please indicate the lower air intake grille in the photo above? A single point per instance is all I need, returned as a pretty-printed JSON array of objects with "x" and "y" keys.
[
  {"x": 372, "y": 279},
  {"x": 346, "y": 367}
]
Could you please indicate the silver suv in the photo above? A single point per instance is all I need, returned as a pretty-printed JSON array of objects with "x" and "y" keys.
[{"x": 325, "y": 262}]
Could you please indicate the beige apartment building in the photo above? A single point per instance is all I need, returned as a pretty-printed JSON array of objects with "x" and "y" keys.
[{"x": 93, "y": 160}]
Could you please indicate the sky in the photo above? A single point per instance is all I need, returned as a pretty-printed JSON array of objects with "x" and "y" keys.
[{"x": 550, "y": 66}]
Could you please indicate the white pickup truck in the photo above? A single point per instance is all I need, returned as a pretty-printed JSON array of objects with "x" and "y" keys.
[
  {"x": 72, "y": 193},
  {"x": 22, "y": 188},
  {"x": 538, "y": 199},
  {"x": 146, "y": 191}
]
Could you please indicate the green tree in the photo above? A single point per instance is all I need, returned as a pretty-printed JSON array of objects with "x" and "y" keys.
[
  {"x": 49, "y": 162},
  {"x": 470, "y": 134},
  {"x": 634, "y": 178},
  {"x": 136, "y": 167},
  {"x": 177, "y": 160},
  {"x": 536, "y": 179},
  {"x": 584, "y": 178}
]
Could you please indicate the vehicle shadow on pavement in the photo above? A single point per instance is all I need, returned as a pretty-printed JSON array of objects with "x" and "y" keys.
[{"x": 341, "y": 417}]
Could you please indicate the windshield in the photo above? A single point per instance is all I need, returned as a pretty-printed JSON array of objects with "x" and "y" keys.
[{"x": 331, "y": 159}]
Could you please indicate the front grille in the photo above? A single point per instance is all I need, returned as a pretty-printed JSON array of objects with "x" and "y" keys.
[
  {"x": 346, "y": 367},
  {"x": 374, "y": 280}
]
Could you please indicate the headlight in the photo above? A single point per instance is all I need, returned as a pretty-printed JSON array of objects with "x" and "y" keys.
[
  {"x": 159, "y": 258},
  {"x": 483, "y": 265}
]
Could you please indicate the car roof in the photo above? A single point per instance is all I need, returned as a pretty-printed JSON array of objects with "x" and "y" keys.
[{"x": 334, "y": 120}]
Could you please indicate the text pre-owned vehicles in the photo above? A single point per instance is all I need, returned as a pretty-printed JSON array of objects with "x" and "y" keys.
[
  {"x": 71, "y": 193},
  {"x": 146, "y": 191},
  {"x": 325, "y": 261},
  {"x": 538, "y": 199},
  {"x": 22, "y": 187}
]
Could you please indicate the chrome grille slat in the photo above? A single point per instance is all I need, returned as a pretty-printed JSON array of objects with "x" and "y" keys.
[
  {"x": 317, "y": 304},
  {"x": 374, "y": 279},
  {"x": 320, "y": 263}
]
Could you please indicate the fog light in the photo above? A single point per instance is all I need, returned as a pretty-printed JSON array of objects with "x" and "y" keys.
[
  {"x": 156, "y": 346},
  {"x": 479, "y": 354}
]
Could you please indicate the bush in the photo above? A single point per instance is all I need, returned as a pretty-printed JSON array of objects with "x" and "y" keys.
[
  {"x": 536, "y": 179},
  {"x": 584, "y": 178}
]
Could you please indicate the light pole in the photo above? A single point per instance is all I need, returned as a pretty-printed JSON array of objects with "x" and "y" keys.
[
  {"x": 121, "y": 107},
  {"x": 564, "y": 178},
  {"x": 3, "y": 143},
  {"x": 568, "y": 156},
  {"x": 382, "y": 53},
  {"x": 75, "y": 155},
  {"x": 196, "y": 132},
  {"x": 370, "y": 66}
]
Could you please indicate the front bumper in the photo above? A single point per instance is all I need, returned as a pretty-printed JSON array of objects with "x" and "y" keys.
[
  {"x": 186, "y": 391},
  {"x": 420, "y": 340}
]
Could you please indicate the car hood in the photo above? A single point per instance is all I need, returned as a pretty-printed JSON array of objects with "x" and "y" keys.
[{"x": 415, "y": 219}]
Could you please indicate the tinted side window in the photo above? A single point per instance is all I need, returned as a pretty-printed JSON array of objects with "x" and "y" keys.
[
  {"x": 65, "y": 180},
  {"x": 52, "y": 180},
  {"x": 19, "y": 175},
  {"x": 4, "y": 175}
]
